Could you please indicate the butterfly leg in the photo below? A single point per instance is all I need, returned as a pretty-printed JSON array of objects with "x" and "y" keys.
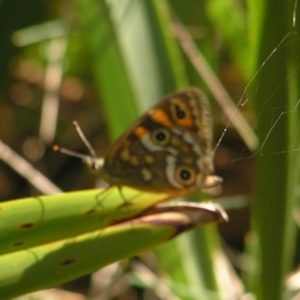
[
  {"x": 125, "y": 204},
  {"x": 125, "y": 201},
  {"x": 100, "y": 198}
]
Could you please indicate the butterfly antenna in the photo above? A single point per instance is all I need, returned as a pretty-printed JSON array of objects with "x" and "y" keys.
[
  {"x": 70, "y": 152},
  {"x": 84, "y": 157},
  {"x": 84, "y": 139}
]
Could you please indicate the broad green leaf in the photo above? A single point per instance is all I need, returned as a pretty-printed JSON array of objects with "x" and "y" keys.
[
  {"x": 33, "y": 221},
  {"x": 49, "y": 264}
]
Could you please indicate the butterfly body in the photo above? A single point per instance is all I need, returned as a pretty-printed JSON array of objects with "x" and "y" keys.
[{"x": 166, "y": 150}]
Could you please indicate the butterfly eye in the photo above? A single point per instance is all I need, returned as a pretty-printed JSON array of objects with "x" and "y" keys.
[
  {"x": 185, "y": 175},
  {"x": 95, "y": 164},
  {"x": 161, "y": 136}
]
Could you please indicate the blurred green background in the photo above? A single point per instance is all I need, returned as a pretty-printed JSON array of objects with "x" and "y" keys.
[{"x": 103, "y": 63}]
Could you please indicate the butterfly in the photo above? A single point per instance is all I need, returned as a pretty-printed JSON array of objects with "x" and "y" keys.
[{"x": 167, "y": 150}]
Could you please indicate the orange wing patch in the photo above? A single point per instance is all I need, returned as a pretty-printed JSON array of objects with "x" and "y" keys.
[
  {"x": 185, "y": 122},
  {"x": 140, "y": 131},
  {"x": 161, "y": 117}
]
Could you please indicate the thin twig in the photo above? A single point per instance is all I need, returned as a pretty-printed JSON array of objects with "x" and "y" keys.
[
  {"x": 217, "y": 89},
  {"x": 20, "y": 165}
]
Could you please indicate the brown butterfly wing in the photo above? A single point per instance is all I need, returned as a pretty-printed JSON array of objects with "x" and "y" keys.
[{"x": 168, "y": 149}]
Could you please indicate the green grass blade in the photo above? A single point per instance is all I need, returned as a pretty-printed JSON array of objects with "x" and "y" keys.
[
  {"x": 110, "y": 69},
  {"x": 230, "y": 20},
  {"x": 277, "y": 171}
]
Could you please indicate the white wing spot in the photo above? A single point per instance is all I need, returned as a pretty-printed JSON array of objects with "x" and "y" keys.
[
  {"x": 149, "y": 145},
  {"x": 170, "y": 171}
]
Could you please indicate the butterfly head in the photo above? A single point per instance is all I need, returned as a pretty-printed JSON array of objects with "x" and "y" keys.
[{"x": 94, "y": 163}]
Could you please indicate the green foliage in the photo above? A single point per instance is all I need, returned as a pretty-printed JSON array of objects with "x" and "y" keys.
[{"x": 126, "y": 55}]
